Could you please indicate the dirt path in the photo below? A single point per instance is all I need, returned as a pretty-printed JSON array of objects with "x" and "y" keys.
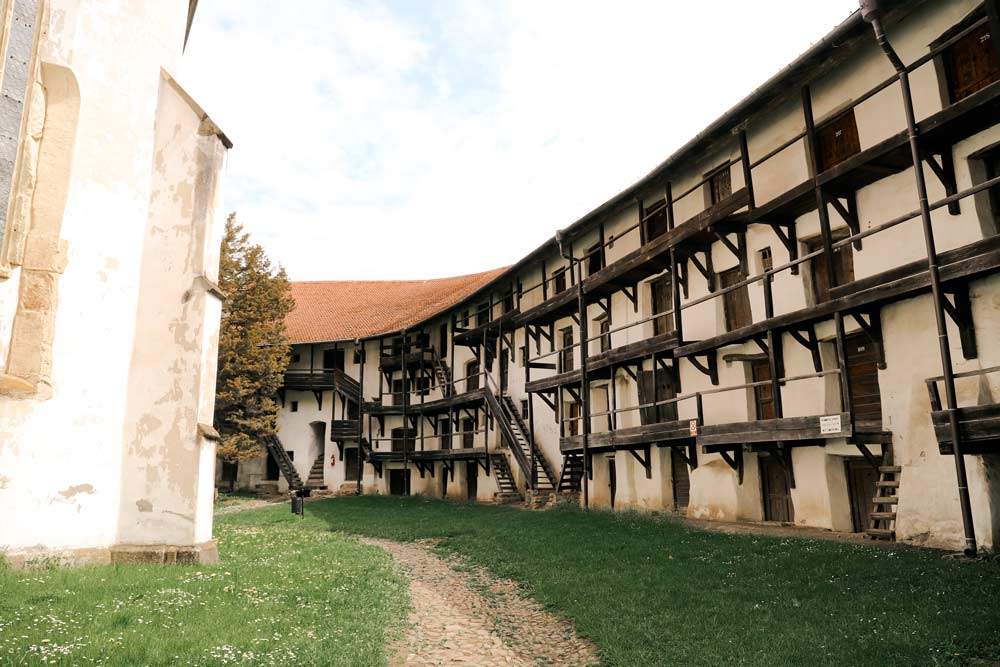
[{"x": 463, "y": 616}]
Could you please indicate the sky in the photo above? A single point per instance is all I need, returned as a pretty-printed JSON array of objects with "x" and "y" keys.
[{"x": 420, "y": 139}]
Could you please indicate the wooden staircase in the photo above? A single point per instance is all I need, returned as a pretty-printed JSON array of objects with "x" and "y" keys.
[
  {"x": 442, "y": 375},
  {"x": 571, "y": 474},
  {"x": 277, "y": 451},
  {"x": 505, "y": 480},
  {"x": 882, "y": 520},
  {"x": 315, "y": 479},
  {"x": 544, "y": 474}
]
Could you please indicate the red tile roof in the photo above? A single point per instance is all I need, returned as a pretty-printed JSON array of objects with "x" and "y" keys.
[{"x": 348, "y": 309}]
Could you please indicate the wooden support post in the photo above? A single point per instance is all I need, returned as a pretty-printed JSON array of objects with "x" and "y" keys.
[{"x": 747, "y": 172}]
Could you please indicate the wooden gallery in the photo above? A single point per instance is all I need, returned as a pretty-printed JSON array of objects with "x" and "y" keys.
[{"x": 793, "y": 318}]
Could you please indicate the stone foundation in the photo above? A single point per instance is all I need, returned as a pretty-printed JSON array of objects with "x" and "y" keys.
[{"x": 206, "y": 553}]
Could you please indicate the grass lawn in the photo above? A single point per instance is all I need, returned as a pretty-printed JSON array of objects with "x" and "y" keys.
[
  {"x": 652, "y": 591},
  {"x": 282, "y": 595}
]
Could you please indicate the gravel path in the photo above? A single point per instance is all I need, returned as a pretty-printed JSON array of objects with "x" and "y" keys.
[{"x": 463, "y": 616}]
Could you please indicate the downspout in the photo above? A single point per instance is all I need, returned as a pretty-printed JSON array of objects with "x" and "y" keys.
[
  {"x": 360, "y": 347},
  {"x": 870, "y": 13}
]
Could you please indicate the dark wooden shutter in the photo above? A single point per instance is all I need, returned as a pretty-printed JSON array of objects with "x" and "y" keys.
[
  {"x": 680, "y": 480},
  {"x": 443, "y": 340},
  {"x": 736, "y": 303},
  {"x": 403, "y": 439},
  {"x": 970, "y": 63},
  {"x": 333, "y": 359},
  {"x": 444, "y": 430},
  {"x": 560, "y": 280},
  {"x": 468, "y": 436},
  {"x": 843, "y": 267},
  {"x": 595, "y": 259},
  {"x": 472, "y": 376},
  {"x": 663, "y": 390},
  {"x": 605, "y": 327},
  {"x": 837, "y": 140},
  {"x": 763, "y": 396}
]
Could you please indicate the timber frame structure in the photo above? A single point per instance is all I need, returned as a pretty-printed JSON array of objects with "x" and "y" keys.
[{"x": 627, "y": 303}]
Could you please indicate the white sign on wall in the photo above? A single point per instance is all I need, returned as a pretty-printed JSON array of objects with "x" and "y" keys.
[
  {"x": 829, "y": 425},
  {"x": 693, "y": 428}
]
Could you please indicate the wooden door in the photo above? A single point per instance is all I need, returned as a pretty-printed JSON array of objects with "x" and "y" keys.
[
  {"x": 443, "y": 341},
  {"x": 472, "y": 376},
  {"x": 763, "y": 397},
  {"x": 566, "y": 353},
  {"x": 971, "y": 64},
  {"x": 402, "y": 439},
  {"x": 573, "y": 415},
  {"x": 352, "y": 464},
  {"x": 468, "y": 433},
  {"x": 837, "y": 140},
  {"x": 661, "y": 299},
  {"x": 843, "y": 267},
  {"x": 655, "y": 222},
  {"x": 664, "y": 390},
  {"x": 333, "y": 359},
  {"x": 444, "y": 431},
  {"x": 471, "y": 480},
  {"x": 679, "y": 480},
  {"x": 398, "y": 481},
  {"x": 777, "y": 495},
  {"x": 504, "y": 371},
  {"x": 735, "y": 303},
  {"x": 720, "y": 185},
  {"x": 861, "y": 479},
  {"x": 612, "y": 480},
  {"x": 862, "y": 372}
]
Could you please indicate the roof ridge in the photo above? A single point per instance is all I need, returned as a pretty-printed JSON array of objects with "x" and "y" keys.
[{"x": 406, "y": 281}]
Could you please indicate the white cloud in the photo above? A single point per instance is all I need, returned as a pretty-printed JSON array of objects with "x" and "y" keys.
[{"x": 412, "y": 141}]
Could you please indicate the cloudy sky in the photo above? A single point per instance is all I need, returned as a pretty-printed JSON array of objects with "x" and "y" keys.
[{"x": 426, "y": 138}]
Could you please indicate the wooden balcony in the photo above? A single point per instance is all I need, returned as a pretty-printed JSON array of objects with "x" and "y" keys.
[
  {"x": 309, "y": 380},
  {"x": 978, "y": 425},
  {"x": 440, "y": 405},
  {"x": 344, "y": 429},
  {"x": 662, "y": 433},
  {"x": 793, "y": 431},
  {"x": 394, "y": 362}
]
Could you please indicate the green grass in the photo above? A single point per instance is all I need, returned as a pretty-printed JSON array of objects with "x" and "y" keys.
[
  {"x": 652, "y": 591},
  {"x": 286, "y": 593}
]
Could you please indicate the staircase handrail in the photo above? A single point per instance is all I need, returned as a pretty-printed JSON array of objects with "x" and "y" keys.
[
  {"x": 505, "y": 430},
  {"x": 539, "y": 454}
]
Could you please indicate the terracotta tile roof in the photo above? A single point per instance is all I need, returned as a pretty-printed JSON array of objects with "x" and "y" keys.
[{"x": 348, "y": 309}]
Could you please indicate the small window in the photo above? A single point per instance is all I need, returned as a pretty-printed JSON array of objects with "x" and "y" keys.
[
  {"x": 595, "y": 259},
  {"x": 523, "y": 356},
  {"x": 971, "y": 64},
  {"x": 296, "y": 357},
  {"x": 735, "y": 303},
  {"x": 524, "y": 409},
  {"x": 837, "y": 140},
  {"x": 482, "y": 314},
  {"x": 573, "y": 419},
  {"x": 655, "y": 219},
  {"x": 559, "y": 281},
  {"x": 843, "y": 266},
  {"x": 719, "y": 185},
  {"x": 765, "y": 259},
  {"x": 604, "y": 324},
  {"x": 566, "y": 353},
  {"x": 294, "y": 406},
  {"x": 508, "y": 301}
]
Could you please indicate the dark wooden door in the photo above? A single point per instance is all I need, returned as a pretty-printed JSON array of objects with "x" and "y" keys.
[
  {"x": 444, "y": 481},
  {"x": 573, "y": 423},
  {"x": 971, "y": 64},
  {"x": 679, "y": 480},
  {"x": 861, "y": 479},
  {"x": 471, "y": 479},
  {"x": 333, "y": 359},
  {"x": 843, "y": 267},
  {"x": 837, "y": 140},
  {"x": 504, "y": 371},
  {"x": 352, "y": 464},
  {"x": 566, "y": 353},
  {"x": 612, "y": 480},
  {"x": 271, "y": 471},
  {"x": 862, "y": 372},
  {"x": 655, "y": 221},
  {"x": 444, "y": 431},
  {"x": 661, "y": 297},
  {"x": 472, "y": 376},
  {"x": 735, "y": 303},
  {"x": 777, "y": 495},
  {"x": 443, "y": 341},
  {"x": 663, "y": 390},
  {"x": 720, "y": 185},
  {"x": 398, "y": 482},
  {"x": 402, "y": 439},
  {"x": 468, "y": 433},
  {"x": 763, "y": 397}
]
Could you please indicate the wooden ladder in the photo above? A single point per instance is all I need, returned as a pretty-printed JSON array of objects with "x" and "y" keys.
[{"x": 882, "y": 521}]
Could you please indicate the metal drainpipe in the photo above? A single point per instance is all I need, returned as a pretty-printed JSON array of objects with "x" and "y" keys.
[
  {"x": 869, "y": 11},
  {"x": 584, "y": 398},
  {"x": 405, "y": 396},
  {"x": 360, "y": 346}
]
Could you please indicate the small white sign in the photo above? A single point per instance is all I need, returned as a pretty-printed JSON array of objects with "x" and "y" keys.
[
  {"x": 829, "y": 424},
  {"x": 693, "y": 428}
]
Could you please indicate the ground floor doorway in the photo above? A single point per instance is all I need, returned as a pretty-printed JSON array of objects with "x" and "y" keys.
[
  {"x": 471, "y": 480},
  {"x": 398, "y": 482},
  {"x": 679, "y": 480},
  {"x": 775, "y": 490},
  {"x": 612, "y": 480},
  {"x": 861, "y": 480}
]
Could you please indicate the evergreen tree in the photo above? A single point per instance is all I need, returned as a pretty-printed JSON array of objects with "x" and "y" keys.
[{"x": 253, "y": 349}]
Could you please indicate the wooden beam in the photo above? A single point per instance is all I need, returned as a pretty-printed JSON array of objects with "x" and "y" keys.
[
  {"x": 960, "y": 312},
  {"x": 644, "y": 460}
]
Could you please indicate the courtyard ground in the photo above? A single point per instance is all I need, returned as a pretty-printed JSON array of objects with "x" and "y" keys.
[{"x": 639, "y": 589}]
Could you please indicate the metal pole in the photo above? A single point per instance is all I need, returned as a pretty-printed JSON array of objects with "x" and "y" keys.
[
  {"x": 406, "y": 459},
  {"x": 584, "y": 393},
  {"x": 360, "y": 346},
  {"x": 870, "y": 15}
]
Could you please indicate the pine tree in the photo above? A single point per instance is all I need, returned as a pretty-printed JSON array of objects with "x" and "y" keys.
[{"x": 253, "y": 349}]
